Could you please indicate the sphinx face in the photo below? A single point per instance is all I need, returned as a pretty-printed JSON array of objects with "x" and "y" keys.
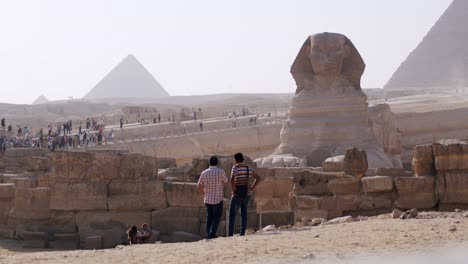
[{"x": 327, "y": 54}]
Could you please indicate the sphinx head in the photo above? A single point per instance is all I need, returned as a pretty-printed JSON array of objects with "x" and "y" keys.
[{"x": 328, "y": 54}]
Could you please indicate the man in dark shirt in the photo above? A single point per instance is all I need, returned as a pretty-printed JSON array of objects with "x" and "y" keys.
[{"x": 240, "y": 183}]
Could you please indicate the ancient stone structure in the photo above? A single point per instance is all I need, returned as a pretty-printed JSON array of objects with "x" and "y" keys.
[
  {"x": 129, "y": 79},
  {"x": 329, "y": 112},
  {"x": 440, "y": 61}
]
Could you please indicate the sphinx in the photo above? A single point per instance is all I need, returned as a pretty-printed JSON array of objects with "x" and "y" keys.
[{"x": 329, "y": 112}]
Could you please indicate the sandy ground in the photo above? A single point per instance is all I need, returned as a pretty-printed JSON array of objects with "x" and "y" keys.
[{"x": 374, "y": 240}]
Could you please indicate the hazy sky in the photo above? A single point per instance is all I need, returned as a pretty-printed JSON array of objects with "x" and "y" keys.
[{"x": 63, "y": 48}]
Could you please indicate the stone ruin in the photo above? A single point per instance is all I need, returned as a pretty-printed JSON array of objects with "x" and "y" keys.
[{"x": 329, "y": 112}]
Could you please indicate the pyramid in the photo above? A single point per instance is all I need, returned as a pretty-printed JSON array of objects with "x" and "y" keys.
[
  {"x": 129, "y": 79},
  {"x": 441, "y": 59},
  {"x": 40, "y": 100}
]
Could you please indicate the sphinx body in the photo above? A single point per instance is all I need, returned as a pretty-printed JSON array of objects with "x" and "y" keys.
[{"x": 329, "y": 112}]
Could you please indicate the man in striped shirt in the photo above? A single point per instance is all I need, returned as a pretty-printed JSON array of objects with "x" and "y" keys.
[
  {"x": 211, "y": 184},
  {"x": 240, "y": 183}
]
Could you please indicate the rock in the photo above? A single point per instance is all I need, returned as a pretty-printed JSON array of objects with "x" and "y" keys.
[
  {"x": 316, "y": 221},
  {"x": 130, "y": 195},
  {"x": 93, "y": 242},
  {"x": 86, "y": 196},
  {"x": 341, "y": 220},
  {"x": 67, "y": 241},
  {"x": 299, "y": 224},
  {"x": 269, "y": 228},
  {"x": 393, "y": 172},
  {"x": 423, "y": 161},
  {"x": 450, "y": 157},
  {"x": 35, "y": 239},
  {"x": 175, "y": 219},
  {"x": 179, "y": 236},
  {"x": 7, "y": 190},
  {"x": 333, "y": 164},
  {"x": 415, "y": 192},
  {"x": 458, "y": 211},
  {"x": 312, "y": 182},
  {"x": 396, "y": 213},
  {"x": 453, "y": 229},
  {"x": 355, "y": 162},
  {"x": 404, "y": 215},
  {"x": 309, "y": 256},
  {"x": 375, "y": 184},
  {"x": 181, "y": 194}
]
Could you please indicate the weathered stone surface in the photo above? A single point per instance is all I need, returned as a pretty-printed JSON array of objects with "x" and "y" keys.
[
  {"x": 393, "y": 172},
  {"x": 312, "y": 213},
  {"x": 274, "y": 187},
  {"x": 452, "y": 187},
  {"x": 130, "y": 195},
  {"x": 5, "y": 206},
  {"x": 377, "y": 184},
  {"x": 450, "y": 157},
  {"x": 333, "y": 163},
  {"x": 165, "y": 163},
  {"x": 138, "y": 166},
  {"x": 415, "y": 192},
  {"x": 312, "y": 183},
  {"x": 35, "y": 240},
  {"x": 67, "y": 241},
  {"x": 347, "y": 203},
  {"x": 111, "y": 226},
  {"x": 94, "y": 242},
  {"x": 33, "y": 204},
  {"x": 272, "y": 204},
  {"x": 355, "y": 162},
  {"x": 341, "y": 220},
  {"x": 423, "y": 161},
  {"x": 57, "y": 223},
  {"x": 23, "y": 182},
  {"x": 376, "y": 201},
  {"x": 181, "y": 194},
  {"x": 308, "y": 202},
  {"x": 177, "y": 219},
  {"x": 7, "y": 190},
  {"x": 79, "y": 196},
  {"x": 345, "y": 185}
]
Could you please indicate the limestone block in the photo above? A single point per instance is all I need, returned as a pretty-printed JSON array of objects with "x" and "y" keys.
[
  {"x": 275, "y": 187},
  {"x": 308, "y": 202},
  {"x": 272, "y": 204},
  {"x": 32, "y": 204},
  {"x": 177, "y": 219},
  {"x": 138, "y": 166},
  {"x": 312, "y": 183},
  {"x": 7, "y": 190},
  {"x": 345, "y": 185},
  {"x": 393, "y": 172},
  {"x": 67, "y": 241},
  {"x": 415, "y": 192},
  {"x": 348, "y": 202},
  {"x": 131, "y": 195},
  {"x": 94, "y": 242},
  {"x": 376, "y": 201},
  {"x": 180, "y": 194},
  {"x": 111, "y": 226},
  {"x": 5, "y": 206},
  {"x": 423, "y": 161},
  {"x": 24, "y": 182},
  {"x": 38, "y": 163},
  {"x": 35, "y": 240},
  {"x": 375, "y": 184},
  {"x": 57, "y": 223},
  {"x": 333, "y": 163},
  {"x": 104, "y": 167},
  {"x": 355, "y": 162},
  {"x": 311, "y": 213},
  {"x": 452, "y": 187},
  {"x": 165, "y": 163},
  {"x": 450, "y": 157},
  {"x": 79, "y": 196}
]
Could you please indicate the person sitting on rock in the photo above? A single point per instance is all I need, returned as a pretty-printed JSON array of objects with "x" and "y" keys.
[
  {"x": 146, "y": 233},
  {"x": 133, "y": 235}
]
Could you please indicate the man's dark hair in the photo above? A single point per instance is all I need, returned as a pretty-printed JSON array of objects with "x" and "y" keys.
[
  {"x": 239, "y": 157},
  {"x": 213, "y": 161}
]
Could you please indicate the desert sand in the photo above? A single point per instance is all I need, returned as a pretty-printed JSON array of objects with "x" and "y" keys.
[{"x": 380, "y": 237}]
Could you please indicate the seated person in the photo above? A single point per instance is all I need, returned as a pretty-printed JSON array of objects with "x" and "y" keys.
[
  {"x": 133, "y": 235},
  {"x": 146, "y": 233}
]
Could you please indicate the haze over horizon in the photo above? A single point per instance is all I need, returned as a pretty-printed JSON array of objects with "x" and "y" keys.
[{"x": 63, "y": 49}]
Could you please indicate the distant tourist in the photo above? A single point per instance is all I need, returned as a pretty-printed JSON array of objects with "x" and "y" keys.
[
  {"x": 240, "y": 183},
  {"x": 121, "y": 122},
  {"x": 159, "y": 118},
  {"x": 211, "y": 185},
  {"x": 146, "y": 233},
  {"x": 185, "y": 129},
  {"x": 10, "y": 128},
  {"x": 133, "y": 235},
  {"x": 201, "y": 126},
  {"x": 3, "y": 124}
]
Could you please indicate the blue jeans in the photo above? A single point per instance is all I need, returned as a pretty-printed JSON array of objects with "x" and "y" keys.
[
  {"x": 213, "y": 215},
  {"x": 237, "y": 202}
]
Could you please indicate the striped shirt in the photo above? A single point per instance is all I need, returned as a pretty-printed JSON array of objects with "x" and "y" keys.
[
  {"x": 242, "y": 173},
  {"x": 213, "y": 180}
]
